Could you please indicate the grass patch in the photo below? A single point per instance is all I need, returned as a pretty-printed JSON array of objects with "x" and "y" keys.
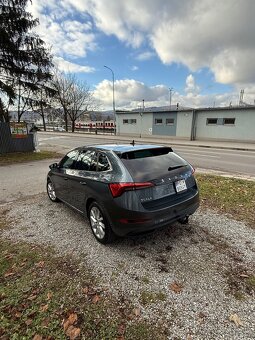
[
  {"x": 21, "y": 157},
  {"x": 152, "y": 297},
  {"x": 55, "y": 298},
  {"x": 235, "y": 197},
  {"x": 4, "y": 223}
]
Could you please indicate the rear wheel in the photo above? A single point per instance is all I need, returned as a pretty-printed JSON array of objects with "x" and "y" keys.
[
  {"x": 99, "y": 225},
  {"x": 184, "y": 220},
  {"x": 51, "y": 191}
]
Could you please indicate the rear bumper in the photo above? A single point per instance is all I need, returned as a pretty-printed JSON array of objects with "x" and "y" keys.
[{"x": 131, "y": 222}]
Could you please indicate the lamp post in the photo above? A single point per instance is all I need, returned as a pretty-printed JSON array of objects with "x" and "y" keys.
[
  {"x": 113, "y": 99},
  {"x": 170, "y": 96}
]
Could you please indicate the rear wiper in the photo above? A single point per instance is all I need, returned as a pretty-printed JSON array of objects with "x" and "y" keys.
[{"x": 175, "y": 167}]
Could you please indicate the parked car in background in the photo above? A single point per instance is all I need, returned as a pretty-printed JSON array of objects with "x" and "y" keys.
[
  {"x": 59, "y": 128},
  {"x": 125, "y": 189}
]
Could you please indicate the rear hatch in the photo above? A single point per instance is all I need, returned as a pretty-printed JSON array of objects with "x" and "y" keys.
[{"x": 171, "y": 176}]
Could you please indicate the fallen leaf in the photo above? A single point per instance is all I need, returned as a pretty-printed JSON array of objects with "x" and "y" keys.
[
  {"x": 37, "y": 337},
  {"x": 32, "y": 297},
  {"x": 44, "y": 308},
  {"x": 244, "y": 275},
  {"x": 176, "y": 287},
  {"x": 235, "y": 318},
  {"x": 72, "y": 318},
  {"x": 8, "y": 274},
  {"x": 137, "y": 311},
  {"x": 73, "y": 332},
  {"x": 49, "y": 296},
  {"x": 40, "y": 264},
  {"x": 85, "y": 290},
  {"x": 28, "y": 322},
  {"x": 96, "y": 298},
  {"x": 45, "y": 322},
  {"x": 18, "y": 314},
  {"x": 121, "y": 329},
  {"x": 8, "y": 256}
]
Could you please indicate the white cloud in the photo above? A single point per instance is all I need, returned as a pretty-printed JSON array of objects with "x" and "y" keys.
[
  {"x": 129, "y": 94},
  {"x": 134, "y": 68},
  {"x": 191, "y": 87},
  {"x": 67, "y": 66},
  {"x": 66, "y": 37},
  {"x": 145, "y": 55},
  {"x": 210, "y": 33}
]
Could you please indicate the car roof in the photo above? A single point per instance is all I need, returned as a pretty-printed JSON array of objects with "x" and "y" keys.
[{"x": 121, "y": 148}]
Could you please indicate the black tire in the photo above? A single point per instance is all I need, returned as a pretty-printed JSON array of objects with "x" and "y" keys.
[
  {"x": 99, "y": 224},
  {"x": 184, "y": 220},
  {"x": 51, "y": 191}
]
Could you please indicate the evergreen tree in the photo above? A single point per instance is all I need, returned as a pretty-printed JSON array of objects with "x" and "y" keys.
[{"x": 24, "y": 60}]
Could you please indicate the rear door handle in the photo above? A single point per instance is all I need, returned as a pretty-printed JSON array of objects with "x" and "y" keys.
[{"x": 83, "y": 183}]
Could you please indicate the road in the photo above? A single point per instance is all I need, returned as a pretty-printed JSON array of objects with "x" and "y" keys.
[{"x": 231, "y": 161}]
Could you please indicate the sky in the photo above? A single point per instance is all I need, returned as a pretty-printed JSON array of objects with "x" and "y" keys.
[{"x": 203, "y": 50}]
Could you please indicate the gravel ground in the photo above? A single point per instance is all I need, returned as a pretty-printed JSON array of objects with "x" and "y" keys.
[{"x": 204, "y": 258}]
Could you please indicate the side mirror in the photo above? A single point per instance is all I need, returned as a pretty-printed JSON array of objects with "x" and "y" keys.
[{"x": 54, "y": 166}]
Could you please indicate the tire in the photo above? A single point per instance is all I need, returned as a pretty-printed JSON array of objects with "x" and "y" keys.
[
  {"x": 184, "y": 220},
  {"x": 51, "y": 191},
  {"x": 99, "y": 224}
]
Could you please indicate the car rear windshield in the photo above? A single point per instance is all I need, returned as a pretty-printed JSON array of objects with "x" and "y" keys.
[{"x": 148, "y": 164}]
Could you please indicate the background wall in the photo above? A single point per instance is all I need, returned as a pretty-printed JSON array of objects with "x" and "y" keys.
[
  {"x": 164, "y": 129},
  {"x": 242, "y": 130}
]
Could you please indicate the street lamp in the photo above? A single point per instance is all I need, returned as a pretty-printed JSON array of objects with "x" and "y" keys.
[
  {"x": 113, "y": 99},
  {"x": 170, "y": 96}
]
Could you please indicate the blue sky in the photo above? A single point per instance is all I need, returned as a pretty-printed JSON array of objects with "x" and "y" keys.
[{"x": 204, "y": 50}]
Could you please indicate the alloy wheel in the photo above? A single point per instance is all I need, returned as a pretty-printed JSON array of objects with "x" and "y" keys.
[
  {"x": 97, "y": 223},
  {"x": 51, "y": 191}
]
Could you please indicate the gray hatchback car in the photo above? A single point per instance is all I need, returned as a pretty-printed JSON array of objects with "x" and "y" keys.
[{"x": 125, "y": 189}]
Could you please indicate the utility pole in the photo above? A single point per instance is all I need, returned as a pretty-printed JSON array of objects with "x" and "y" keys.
[
  {"x": 170, "y": 96},
  {"x": 113, "y": 99}
]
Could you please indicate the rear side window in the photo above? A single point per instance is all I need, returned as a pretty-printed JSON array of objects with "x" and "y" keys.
[
  {"x": 103, "y": 163},
  {"x": 86, "y": 161},
  {"x": 148, "y": 164},
  {"x": 69, "y": 161}
]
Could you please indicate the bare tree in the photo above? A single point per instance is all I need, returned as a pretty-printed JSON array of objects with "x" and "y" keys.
[
  {"x": 81, "y": 100},
  {"x": 73, "y": 95},
  {"x": 42, "y": 102}
]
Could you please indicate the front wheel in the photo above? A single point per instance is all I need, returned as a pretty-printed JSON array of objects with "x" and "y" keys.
[
  {"x": 51, "y": 192},
  {"x": 99, "y": 225}
]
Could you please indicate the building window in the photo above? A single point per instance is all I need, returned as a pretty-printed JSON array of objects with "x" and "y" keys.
[
  {"x": 132, "y": 121},
  {"x": 125, "y": 121},
  {"x": 170, "y": 121},
  {"x": 211, "y": 121},
  {"x": 158, "y": 121},
  {"x": 229, "y": 121}
]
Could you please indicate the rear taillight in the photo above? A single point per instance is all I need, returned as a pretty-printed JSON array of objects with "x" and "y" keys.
[{"x": 117, "y": 189}]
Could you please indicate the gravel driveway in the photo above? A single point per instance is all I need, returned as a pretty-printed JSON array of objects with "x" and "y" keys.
[{"x": 189, "y": 278}]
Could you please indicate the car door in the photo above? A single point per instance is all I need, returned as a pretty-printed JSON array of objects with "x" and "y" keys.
[
  {"x": 80, "y": 185},
  {"x": 61, "y": 176}
]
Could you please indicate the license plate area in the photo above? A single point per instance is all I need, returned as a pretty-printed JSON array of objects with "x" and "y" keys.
[
  {"x": 162, "y": 191},
  {"x": 180, "y": 185}
]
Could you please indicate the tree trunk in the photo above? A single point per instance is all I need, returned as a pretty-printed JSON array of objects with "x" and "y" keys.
[
  {"x": 65, "y": 117},
  {"x": 73, "y": 125},
  {"x": 43, "y": 119}
]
